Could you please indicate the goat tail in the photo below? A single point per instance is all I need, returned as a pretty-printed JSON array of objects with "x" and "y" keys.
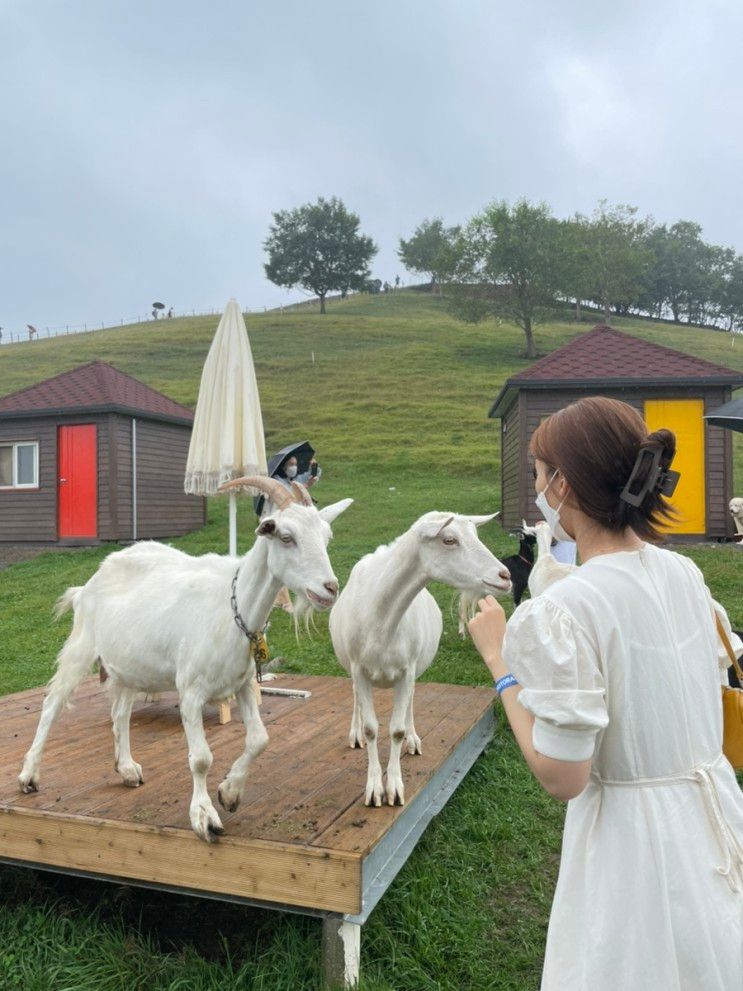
[
  {"x": 66, "y": 601},
  {"x": 78, "y": 654}
]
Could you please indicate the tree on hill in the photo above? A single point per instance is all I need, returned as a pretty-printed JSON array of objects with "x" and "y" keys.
[
  {"x": 574, "y": 262},
  {"x": 619, "y": 259},
  {"x": 431, "y": 250},
  {"x": 318, "y": 247},
  {"x": 729, "y": 292},
  {"x": 509, "y": 266}
]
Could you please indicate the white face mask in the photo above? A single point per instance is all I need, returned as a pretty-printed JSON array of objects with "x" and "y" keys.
[
  {"x": 552, "y": 516},
  {"x": 291, "y": 471}
]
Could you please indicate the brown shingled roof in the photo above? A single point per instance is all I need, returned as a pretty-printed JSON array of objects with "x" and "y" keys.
[
  {"x": 95, "y": 387},
  {"x": 605, "y": 356}
]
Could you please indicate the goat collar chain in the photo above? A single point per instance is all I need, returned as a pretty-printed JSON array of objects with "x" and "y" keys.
[{"x": 256, "y": 638}]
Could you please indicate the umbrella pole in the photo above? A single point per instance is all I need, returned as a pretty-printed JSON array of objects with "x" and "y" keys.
[{"x": 233, "y": 524}]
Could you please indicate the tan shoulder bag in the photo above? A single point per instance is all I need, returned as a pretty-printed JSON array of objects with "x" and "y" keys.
[{"x": 732, "y": 708}]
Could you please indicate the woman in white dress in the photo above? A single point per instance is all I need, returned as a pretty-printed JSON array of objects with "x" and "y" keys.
[{"x": 611, "y": 683}]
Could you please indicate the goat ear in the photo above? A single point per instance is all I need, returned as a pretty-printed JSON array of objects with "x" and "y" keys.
[
  {"x": 482, "y": 520},
  {"x": 330, "y": 513},
  {"x": 266, "y": 528},
  {"x": 432, "y": 528}
]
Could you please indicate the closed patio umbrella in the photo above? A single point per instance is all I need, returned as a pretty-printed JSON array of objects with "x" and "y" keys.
[{"x": 227, "y": 439}]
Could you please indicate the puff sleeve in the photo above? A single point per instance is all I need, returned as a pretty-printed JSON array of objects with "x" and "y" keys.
[{"x": 562, "y": 686}]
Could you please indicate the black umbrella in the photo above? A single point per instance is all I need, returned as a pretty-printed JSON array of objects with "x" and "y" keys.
[
  {"x": 730, "y": 416},
  {"x": 302, "y": 451}
]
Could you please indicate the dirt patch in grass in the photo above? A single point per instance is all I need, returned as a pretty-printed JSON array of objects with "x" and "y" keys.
[{"x": 15, "y": 553}]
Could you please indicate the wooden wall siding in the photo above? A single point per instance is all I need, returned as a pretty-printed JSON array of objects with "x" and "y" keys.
[
  {"x": 123, "y": 426},
  {"x": 510, "y": 471},
  {"x": 31, "y": 515},
  {"x": 537, "y": 404},
  {"x": 106, "y": 529},
  {"x": 163, "y": 508}
]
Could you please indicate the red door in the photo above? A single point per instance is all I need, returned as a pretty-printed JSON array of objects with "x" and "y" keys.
[{"x": 77, "y": 461}]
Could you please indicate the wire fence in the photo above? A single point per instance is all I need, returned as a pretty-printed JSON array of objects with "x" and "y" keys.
[{"x": 31, "y": 332}]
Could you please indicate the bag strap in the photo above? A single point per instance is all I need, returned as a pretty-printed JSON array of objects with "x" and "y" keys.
[{"x": 728, "y": 648}]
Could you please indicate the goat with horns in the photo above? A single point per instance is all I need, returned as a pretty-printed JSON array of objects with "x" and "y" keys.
[
  {"x": 157, "y": 619},
  {"x": 386, "y": 627}
]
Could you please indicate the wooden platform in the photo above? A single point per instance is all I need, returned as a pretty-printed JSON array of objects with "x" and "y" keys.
[{"x": 302, "y": 838}]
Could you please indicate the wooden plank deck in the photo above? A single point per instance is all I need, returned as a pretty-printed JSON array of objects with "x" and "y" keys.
[{"x": 300, "y": 837}]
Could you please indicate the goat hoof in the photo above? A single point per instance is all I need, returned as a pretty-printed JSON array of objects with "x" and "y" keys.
[
  {"x": 206, "y": 823},
  {"x": 131, "y": 775},
  {"x": 227, "y": 802},
  {"x": 356, "y": 744},
  {"x": 28, "y": 787},
  {"x": 395, "y": 792},
  {"x": 414, "y": 745},
  {"x": 374, "y": 793}
]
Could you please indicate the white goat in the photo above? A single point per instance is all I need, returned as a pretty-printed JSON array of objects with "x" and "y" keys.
[
  {"x": 159, "y": 619},
  {"x": 386, "y": 627},
  {"x": 546, "y": 568}
]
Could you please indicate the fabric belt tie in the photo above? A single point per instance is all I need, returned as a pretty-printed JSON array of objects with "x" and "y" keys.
[{"x": 732, "y": 851}]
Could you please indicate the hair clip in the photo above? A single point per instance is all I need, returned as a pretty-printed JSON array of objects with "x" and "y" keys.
[{"x": 657, "y": 478}]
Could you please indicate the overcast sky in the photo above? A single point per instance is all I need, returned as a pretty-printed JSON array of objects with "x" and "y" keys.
[{"x": 144, "y": 145}]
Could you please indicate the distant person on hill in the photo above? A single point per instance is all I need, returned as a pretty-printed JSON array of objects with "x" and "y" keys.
[{"x": 170, "y": 313}]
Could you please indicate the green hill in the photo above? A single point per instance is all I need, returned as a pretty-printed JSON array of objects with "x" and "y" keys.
[
  {"x": 396, "y": 403},
  {"x": 396, "y": 381}
]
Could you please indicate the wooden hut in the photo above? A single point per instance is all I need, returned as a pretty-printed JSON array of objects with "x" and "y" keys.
[
  {"x": 669, "y": 388},
  {"x": 93, "y": 455}
]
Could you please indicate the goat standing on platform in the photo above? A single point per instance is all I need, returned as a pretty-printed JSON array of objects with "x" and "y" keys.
[
  {"x": 159, "y": 619},
  {"x": 386, "y": 627}
]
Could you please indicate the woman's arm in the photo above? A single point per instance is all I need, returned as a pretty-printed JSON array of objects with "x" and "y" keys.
[{"x": 562, "y": 779}]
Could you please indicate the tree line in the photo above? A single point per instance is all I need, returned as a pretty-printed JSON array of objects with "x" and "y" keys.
[{"x": 521, "y": 263}]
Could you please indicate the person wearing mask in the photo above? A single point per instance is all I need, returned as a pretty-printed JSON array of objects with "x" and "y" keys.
[
  {"x": 611, "y": 684},
  {"x": 286, "y": 473}
]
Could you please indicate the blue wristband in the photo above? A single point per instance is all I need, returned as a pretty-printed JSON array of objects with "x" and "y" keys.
[{"x": 507, "y": 681}]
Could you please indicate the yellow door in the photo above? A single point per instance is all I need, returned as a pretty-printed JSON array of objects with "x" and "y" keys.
[{"x": 685, "y": 418}]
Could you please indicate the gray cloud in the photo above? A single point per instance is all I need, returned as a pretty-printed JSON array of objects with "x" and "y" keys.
[{"x": 145, "y": 146}]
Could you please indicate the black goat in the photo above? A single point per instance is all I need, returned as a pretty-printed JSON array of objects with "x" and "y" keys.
[{"x": 520, "y": 564}]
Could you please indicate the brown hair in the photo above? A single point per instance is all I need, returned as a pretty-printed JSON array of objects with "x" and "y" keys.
[{"x": 595, "y": 444}]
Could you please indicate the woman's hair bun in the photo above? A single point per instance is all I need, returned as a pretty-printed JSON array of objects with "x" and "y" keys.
[{"x": 664, "y": 441}]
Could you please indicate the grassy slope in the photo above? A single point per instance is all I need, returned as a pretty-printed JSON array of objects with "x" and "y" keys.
[{"x": 396, "y": 405}]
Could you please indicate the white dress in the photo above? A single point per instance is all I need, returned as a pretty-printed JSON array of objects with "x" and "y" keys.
[{"x": 621, "y": 662}]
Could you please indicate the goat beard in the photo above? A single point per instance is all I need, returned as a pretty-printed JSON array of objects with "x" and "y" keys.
[
  {"x": 467, "y": 609},
  {"x": 303, "y": 615}
]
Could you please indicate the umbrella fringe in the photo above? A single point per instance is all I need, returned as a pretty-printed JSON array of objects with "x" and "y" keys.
[{"x": 208, "y": 482}]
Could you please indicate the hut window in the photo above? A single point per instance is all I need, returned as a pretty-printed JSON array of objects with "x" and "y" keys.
[{"x": 19, "y": 465}]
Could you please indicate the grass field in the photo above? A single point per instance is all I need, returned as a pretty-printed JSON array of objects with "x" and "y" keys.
[{"x": 396, "y": 404}]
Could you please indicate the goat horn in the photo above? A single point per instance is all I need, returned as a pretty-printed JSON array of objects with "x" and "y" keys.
[
  {"x": 301, "y": 495},
  {"x": 274, "y": 490}
]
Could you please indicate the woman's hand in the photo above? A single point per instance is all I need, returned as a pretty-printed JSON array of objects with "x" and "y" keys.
[{"x": 487, "y": 630}]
